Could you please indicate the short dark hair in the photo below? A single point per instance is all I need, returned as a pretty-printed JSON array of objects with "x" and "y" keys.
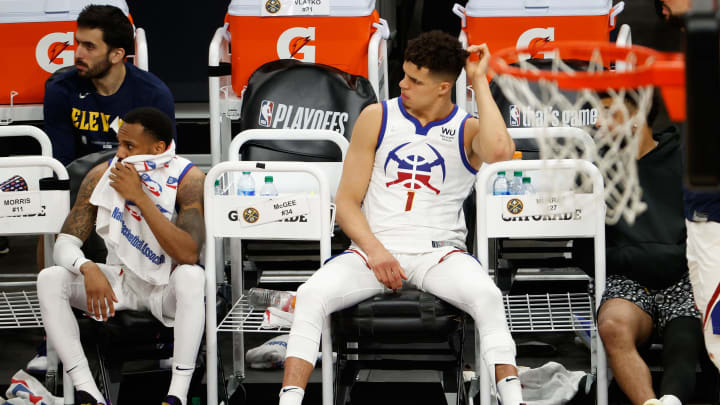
[
  {"x": 155, "y": 122},
  {"x": 114, "y": 24},
  {"x": 438, "y": 51},
  {"x": 653, "y": 110}
]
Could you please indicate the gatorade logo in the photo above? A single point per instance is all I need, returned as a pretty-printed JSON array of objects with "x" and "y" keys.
[
  {"x": 294, "y": 43},
  {"x": 53, "y": 51},
  {"x": 535, "y": 38}
]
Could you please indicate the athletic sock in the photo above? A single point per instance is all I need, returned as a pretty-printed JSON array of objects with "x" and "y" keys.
[
  {"x": 510, "y": 390},
  {"x": 670, "y": 399},
  {"x": 180, "y": 382},
  {"x": 82, "y": 379},
  {"x": 291, "y": 395}
]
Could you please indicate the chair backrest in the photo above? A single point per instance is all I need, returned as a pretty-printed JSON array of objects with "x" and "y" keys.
[
  {"x": 94, "y": 247},
  {"x": 288, "y": 94}
]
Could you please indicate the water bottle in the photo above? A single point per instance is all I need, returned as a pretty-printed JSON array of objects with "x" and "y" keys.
[
  {"x": 246, "y": 185},
  {"x": 527, "y": 187},
  {"x": 515, "y": 185},
  {"x": 218, "y": 187},
  {"x": 261, "y": 298},
  {"x": 500, "y": 185},
  {"x": 268, "y": 189}
]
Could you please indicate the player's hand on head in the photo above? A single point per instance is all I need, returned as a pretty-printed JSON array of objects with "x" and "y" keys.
[
  {"x": 99, "y": 293},
  {"x": 478, "y": 61},
  {"x": 126, "y": 181},
  {"x": 387, "y": 269}
]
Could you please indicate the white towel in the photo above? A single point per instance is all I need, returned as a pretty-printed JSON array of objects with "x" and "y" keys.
[
  {"x": 549, "y": 384},
  {"x": 25, "y": 389},
  {"x": 270, "y": 354},
  {"x": 121, "y": 224},
  {"x": 276, "y": 318}
]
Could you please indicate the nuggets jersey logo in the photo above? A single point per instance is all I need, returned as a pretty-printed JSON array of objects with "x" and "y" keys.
[
  {"x": 152, "y": 186},
  {"x": 416, "y": 168}
]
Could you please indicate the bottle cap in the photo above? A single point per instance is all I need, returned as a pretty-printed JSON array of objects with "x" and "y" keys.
[
  {"x": 246, "y": 172},
  {"x": 217, "y": 182},
  {"x": 268, "y": 179},
  {"x": 526, "y": 180},
  {"x": 517, "y": 173},
  {"x": 501, "y": 173},
  {"x": 195, "y": 401},
  {"x": 517, "y": 155}
]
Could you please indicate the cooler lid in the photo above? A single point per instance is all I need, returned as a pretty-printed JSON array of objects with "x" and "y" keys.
[
  {"x": 338, "y": 8},
  {"x": 531, "y": 8},
  {"x": 19, "y": 11}
]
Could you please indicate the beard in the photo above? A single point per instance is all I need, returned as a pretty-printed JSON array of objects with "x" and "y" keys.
[{"x": 96, "y": 72}]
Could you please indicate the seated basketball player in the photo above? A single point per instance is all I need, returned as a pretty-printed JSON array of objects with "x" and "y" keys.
[
  {"x": 151, "y": 262},
  {"x": 411, "y": 163},
  {"x": 648, "y": 288}
]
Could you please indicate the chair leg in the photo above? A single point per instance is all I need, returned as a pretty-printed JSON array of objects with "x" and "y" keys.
[
  {"x": 110, "y": 377},
  {"x": 68, "y": 389}
]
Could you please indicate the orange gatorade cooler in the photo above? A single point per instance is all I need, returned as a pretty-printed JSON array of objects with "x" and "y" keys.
[
  {"x": 521, "y": 23},
  {"x": 331, "y": 32},
  {"x": 39, "y": 38}
]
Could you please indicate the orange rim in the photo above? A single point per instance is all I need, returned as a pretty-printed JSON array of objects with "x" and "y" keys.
[{"x": 662, "y": 69}]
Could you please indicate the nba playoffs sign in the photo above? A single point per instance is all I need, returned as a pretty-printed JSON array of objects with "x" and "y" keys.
[{"x": 275, "y": 8}]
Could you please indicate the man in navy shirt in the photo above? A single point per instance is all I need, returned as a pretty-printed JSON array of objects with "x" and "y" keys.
[{"x": 83, "y": 106}]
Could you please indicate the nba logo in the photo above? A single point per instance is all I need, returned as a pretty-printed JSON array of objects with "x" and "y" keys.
[
  {"x": 266, "y": 111},
  {"x": 514, "y": 116}
]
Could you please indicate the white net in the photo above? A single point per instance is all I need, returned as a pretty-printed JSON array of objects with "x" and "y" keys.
[{"x": 613, "y": 117}]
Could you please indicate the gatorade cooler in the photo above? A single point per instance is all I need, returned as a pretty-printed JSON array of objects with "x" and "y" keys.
[
  {"x": 520, "y": 23},
  {"x": 39, "y": 39},
  {"x": 263, "y": 31}
]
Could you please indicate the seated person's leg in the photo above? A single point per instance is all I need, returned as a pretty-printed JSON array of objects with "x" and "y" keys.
[
  {"x": 184, "y": 301},
  {"x": 623, "y": 323},
  {"x": 58, "y": 291},
  {"x": 679, "y": 323},
  {"x": 460, "y": 280},
  {"x": 344, "y": 281}
]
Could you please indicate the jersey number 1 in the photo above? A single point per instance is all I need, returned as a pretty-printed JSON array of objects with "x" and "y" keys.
[{"x": 409, "y": 202}]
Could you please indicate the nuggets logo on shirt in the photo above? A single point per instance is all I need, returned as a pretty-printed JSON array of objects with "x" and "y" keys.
[{"x": 415, "y": 167}]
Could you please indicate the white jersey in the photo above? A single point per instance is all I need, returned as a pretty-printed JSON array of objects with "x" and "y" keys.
[{"x": 420, "y": 178}]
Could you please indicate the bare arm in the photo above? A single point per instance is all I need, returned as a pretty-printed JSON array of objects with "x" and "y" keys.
[
  {"x": 81, "y": 219},
  {"x": 354, "y": 182},
  {"x": 182, "y": 241},
  {"x": 490, "y": 139}
]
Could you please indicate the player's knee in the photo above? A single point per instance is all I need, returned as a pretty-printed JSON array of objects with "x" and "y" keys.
[
  {"x": 51, "y": 279},
  {"x": 190, "y": 280},
  {"x": 309, "y": 298},
  {"x": 614, "y": 333},
  {"x": 486, "y": 297}
]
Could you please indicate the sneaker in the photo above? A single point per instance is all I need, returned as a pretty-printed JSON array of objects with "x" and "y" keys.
[
  {"x": 172, "y": 400},
  {"x": 4, "y": 245},
  {"x": 83, "y": 398}
]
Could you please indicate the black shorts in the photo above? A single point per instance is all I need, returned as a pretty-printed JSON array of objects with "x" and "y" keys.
[{"x": 662, "y": 305}]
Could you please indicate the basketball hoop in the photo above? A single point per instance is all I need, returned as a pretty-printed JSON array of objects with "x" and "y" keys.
[{"x": 567, "y": 96}]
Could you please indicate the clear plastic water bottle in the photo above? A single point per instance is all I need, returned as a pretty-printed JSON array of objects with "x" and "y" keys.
[
  {"x": 246, "y": 185},
  {"x": 527, "y": 187},
  {"x": 500, "y": 185},
  {"x": 218, "y": 187},
  {"x": 515, "y": 185},
  {"x": 261, "y": 298},
  {"x": 268, "y": 189}
]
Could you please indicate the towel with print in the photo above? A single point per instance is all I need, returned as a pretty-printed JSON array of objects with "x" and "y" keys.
[{"x": 121, "y": 224}]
